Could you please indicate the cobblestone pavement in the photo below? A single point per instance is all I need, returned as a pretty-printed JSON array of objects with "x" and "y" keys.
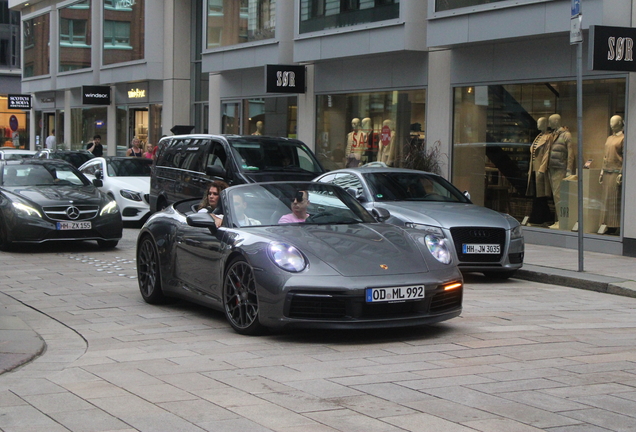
[{"x": 523, "y": 356}]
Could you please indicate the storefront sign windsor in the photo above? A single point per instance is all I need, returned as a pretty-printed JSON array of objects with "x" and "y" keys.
[
  {"x": 285, "y": 79},
  {"x": 612, "y": 48},
  {"x": 96, "y": 95}
]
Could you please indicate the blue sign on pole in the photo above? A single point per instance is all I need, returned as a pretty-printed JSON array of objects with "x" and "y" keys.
[{"x": 576, "y": 8}]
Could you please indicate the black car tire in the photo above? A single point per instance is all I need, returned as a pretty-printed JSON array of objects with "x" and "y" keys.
[
  {"x": 149, "y": 273},
  {"x": 240, "y": 299},
  {"x": 5, "y": 245},
  {"x": 107, "y": 244},
  {"x": 502, "y": 275}
]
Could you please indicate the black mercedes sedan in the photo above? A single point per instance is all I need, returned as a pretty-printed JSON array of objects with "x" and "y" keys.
[{"x": 45, "y": 200}]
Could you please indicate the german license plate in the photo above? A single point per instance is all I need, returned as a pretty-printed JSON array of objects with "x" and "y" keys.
[
  {"x": 481, "y": 248},
  {"x": 74, "y": 226},
  {"x": 376, "y": 295}
]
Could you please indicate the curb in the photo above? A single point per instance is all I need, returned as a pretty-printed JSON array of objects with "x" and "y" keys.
[
  {"x": 19, "y": 345},
  {"x": 574, "y": 279}
]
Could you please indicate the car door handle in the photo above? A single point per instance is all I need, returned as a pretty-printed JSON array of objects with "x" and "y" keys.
[{"x": 191, "y": 242}]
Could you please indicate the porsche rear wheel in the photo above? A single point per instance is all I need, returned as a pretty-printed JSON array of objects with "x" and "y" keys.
[
  {"x": 240, "y": 299},
  {"x": 149, "y": 272}
]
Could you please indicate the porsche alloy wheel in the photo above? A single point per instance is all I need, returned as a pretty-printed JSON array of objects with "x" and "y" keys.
[
  {"x": 148, "y": 272},
  {"x": 240, "y": 298}
]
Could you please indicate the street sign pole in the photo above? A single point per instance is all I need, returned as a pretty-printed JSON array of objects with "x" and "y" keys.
[{"x": 576, "y": 37}]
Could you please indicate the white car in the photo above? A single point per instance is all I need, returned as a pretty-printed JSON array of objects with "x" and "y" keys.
[{"x": 126, "y": 179}]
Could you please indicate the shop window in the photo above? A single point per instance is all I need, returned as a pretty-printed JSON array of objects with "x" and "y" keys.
[
  {"x": 275, "y": 116},
  {"x": 124, "y": 31},
  {"x": 359, "y": 128},
  {"x": 75, "y": 37},
  {"x": 86, "y": 123},
  {"x": 240, "y": 21},
  {"x": 14, "y": 126},
  {"x": 36, "y": 53},
  {"x": 316, "y": 15},
  {"x": 515, "y": 151}
]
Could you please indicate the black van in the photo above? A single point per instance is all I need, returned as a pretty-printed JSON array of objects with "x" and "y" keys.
[{"x": 186, "y": 164}]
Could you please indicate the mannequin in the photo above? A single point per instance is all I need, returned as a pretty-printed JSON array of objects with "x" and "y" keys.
[
  {"x": 259, "y": 128},
  {"x": 386, "y": 151},
  {"x": 356, "y": 144},
  {"x": 371, "y": 152},
  {"x": 538, "y": 184},
  {"x": 560, "y": 160},
  {"x": 612, "y": 176}
]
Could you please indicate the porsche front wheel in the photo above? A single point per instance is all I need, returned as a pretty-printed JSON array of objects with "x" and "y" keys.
[{"x": 240, "y": 298}]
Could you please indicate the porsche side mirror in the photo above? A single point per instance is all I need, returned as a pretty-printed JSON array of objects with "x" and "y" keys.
[
  {"x": 380, "y": 214},
  {"x": 98, "y": 183},
  {"x": 201, "y": 220}
]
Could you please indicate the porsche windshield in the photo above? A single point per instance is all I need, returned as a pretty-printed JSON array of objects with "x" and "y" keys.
[
  {"x": 271, "y": 154},
  {"x": 405, "y": 186},
  {"x": 293, "y": 203}
]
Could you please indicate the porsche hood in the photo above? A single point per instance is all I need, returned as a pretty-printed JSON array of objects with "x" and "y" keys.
[{"x": 354, "y": 250}]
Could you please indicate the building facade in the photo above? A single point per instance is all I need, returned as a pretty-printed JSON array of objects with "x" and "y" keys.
[
  {"x": 14, "y": 122},
  {"x": 487, "y": 90}
]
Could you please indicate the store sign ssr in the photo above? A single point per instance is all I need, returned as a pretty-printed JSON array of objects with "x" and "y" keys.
[
  {"x": 612, "y": 48},
  {"x": 285, "y": 79}
]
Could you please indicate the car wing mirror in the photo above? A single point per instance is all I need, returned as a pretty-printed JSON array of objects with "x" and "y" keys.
[
  {"x": 380, "y": 214},
  {"x": 98, "y": 183},
  {"x": 98, "y": 174},
  {"x": 467, "y": 194},
  {"x": 356, "y": 193},
  {"x": 215, "y": 171},
  {"x": 202, "y": 220}
]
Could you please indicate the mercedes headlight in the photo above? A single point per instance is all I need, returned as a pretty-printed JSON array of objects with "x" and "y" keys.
[
  {"x": 438, "y": 248},
  {"x": 516, "y": 232},
  {"x": 25, "y": 210},
  {"x": 429, "y": 229},
  {"x": 287, "y": 257},
  {"x": 109, "y": 208},
  {"x": 131, "y": 195}
]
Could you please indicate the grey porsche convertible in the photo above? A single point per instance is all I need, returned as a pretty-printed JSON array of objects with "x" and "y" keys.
[{"x": 303, "y": 255}]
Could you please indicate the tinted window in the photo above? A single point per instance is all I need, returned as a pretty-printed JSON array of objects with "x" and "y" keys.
[
  {"x": 273, "y": 155},
  {"x": 132, "y": 167}
]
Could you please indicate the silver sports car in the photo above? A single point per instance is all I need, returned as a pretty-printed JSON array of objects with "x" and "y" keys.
[
  {"x": 297, "y": 255},
  {"x": 482, "y": 240}
]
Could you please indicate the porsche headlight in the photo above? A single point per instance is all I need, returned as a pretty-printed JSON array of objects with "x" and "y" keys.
[
  {"x": 25, "y": 210},
  {"x": 109, "y": 208},
  {"x": 131, "y": 195},
  {"x": 516, "y": 232},
  {"x": 437, "y": 247},
  {"x": 429, "y": 229},
  {"x": 287, "y": 257}
]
